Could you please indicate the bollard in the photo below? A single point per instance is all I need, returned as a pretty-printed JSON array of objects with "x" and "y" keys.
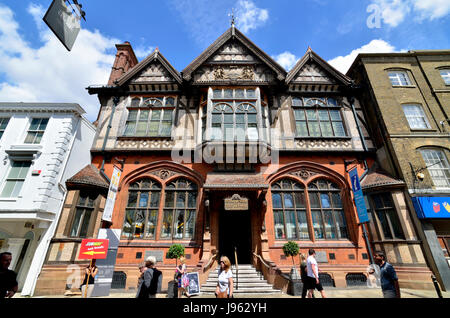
[{"x": 436, "y": 285}]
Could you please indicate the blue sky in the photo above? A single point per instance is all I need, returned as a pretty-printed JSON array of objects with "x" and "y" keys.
[{"x": 35, "y": 67}]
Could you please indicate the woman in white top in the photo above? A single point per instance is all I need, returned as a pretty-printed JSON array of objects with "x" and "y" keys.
[{"x": 224, "y": 287}]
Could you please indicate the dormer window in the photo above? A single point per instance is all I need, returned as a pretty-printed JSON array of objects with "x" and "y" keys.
[
  {"x": 318, "y": 117},
  {"x": 150, "y": 117}
]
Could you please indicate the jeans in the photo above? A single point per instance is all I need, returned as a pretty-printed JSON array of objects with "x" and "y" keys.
[{"x": 389, "y": 293}]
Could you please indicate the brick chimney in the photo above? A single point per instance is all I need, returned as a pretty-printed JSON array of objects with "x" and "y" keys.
[{"x": 125, "y": 60}]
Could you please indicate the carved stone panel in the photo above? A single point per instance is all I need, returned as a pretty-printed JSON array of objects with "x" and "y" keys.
[
  {"x": 155, "y": 72},
  {"x": 304, "y": 174},
  {"x": 145, "y": 144},
  {"x": 312, "y": 144},
  {"x": 163, "y": 174}
]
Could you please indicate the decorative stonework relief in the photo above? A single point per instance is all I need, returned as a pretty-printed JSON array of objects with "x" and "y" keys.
[
  {"x": 312, "y": 72},
  {"x": 304, "y": 174},
  {"x": 145, "y": 144},
  {"x": 155, "y": 72},
  {"x": 233, "y": 72},
  {"x": 324, "y": 144},
  {"x": 163, "y": 174}
]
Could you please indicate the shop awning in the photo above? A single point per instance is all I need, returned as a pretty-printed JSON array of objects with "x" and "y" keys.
[{"x": 235, "y": 181}]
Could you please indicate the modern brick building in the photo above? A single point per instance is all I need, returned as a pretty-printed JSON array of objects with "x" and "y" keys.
[
  {"x": 233, "y": 154},
  {"x": 406, "y": 97}
]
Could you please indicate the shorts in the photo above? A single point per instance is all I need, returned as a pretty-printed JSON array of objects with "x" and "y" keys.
[{"x": 312, "y": 284}]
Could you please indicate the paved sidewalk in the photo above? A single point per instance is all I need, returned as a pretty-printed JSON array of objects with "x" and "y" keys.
[{"x": 330, "y": 292}]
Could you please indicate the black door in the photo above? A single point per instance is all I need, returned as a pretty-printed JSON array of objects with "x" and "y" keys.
[{"x": 235, "y": 232}]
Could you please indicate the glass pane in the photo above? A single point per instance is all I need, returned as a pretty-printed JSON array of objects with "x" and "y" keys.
[
  {"x": 341, "y": 224},
  {"x": 323, "y": 115},
  {"x": 17, "y": 187},
  {"x": 143, "y": 200},
  {"x": 311, "y": 114},
  {"x": 229, "y": 132},
  {"x": 15, "y": 170},
  {"x": 290, "y": 225},
  {"x": 303, "y": 225},
  {"x": 170, "y": 101},
  {"x": 314, "y": 200},
  {"x": 166, "y": 229},
  {"x": 240, "y": 93},
  {"x": 339, "y": 130},
  {"x": 217, "y": 93},
  {"x": 228, "y": 93},
  {"x": 252, "y": 119},
  {"x": 299, "y": 114},
  {"x": 154, "y": 203},
  {"x": 190, "y": 224},
  {"x": 398, "y": 233},
  {"x": 276, "y": 201},
  {"x": 317, "y": 224},
  {"x": 38, "y": 138},
  {"x": 35, "y": 124},
  {"x": 153, "y": 129},
  {"x": 332, "y": 102},
  {"x": 135, "y": 102},
  {"x": 170, "y": 198},
  {"x": 167, "y": 115},
  {"x": 141, "y": 128},
  {"x": 217, "y": 119},
  {"x": 325, "y": 199},
  {"x": 251, "y": 93},
  {"x": 143, "y": 116},
  {"x": 279, "y": 224},
  {"x": 288, "y": 201},
  {"x": 326, "y": 129},
  {"x": 384, "y": 225},
  {"x": 192, "y": 199},
  {"x": 132, "y": 199},
  {"x": 151, "y": 224},
  {"x": 181, "y": 199},
  {"x": 297, "y": 101},
  {"x": 43, "y": 124},
  {"x": 314, "y": 130},
  {"x": 229, "y": 118},
  {"x": 128, "y": 224},
  {"x": 337, "y": 202},
  {"x": 299, "y": 200},
  {"x": 76, "y": 223},
  {"x": 156, "y": 115},
  {"x": 302, "y": 129},
  {"x": 179, "y": 224},
  {"x": 30, "y": 137},
  {"x": 335, "y": 115},
  {"x": 85, "y": 225},
  {"x": 253, "y": 132},
  {"x": 166, "y": 128},
  {"x": 330, "y": 230},
  {"x": 129, "y": 130}
]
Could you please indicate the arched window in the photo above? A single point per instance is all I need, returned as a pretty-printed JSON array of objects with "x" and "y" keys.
[
  {"x": 318, "y": 117},
  {"x": 179, "y": 210},
  {"x": 327, "y": 211},
  {"x": 289, "y": 209},
  {"x": 152, "y": 118},
  {"x": 142, "y": 209}
]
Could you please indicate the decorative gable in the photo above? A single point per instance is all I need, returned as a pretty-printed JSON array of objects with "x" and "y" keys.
[
  {"x": 233, "y": 58},
  {"x": 312, "y": 72},
  {"x": 155, "y": 72}
]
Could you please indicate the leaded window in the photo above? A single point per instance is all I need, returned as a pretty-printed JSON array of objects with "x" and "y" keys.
[
  {"x": 438, "y": 167},
  {"x": 318, "y": 117},
  {"x": 151, "y": 117},
  {"x": 385, "y": 216},
  {"x": 289, "y": 209},
  {"x": 3, "y": 124},
  {"x": 36, "y": 130},
  {"x": 180, "y": 209},
  {"x": 83, "y": 214},
  {"x": 327, "y": 210},
  {"x": 141, "y": 214}
]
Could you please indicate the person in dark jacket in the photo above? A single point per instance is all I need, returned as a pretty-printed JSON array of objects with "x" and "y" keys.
[
  {"x": 152, "y": 279},
  {"x": 388, "y": 277},
  {"x": 304, "y": 274},
  {"x": 8, "y": 278},
  {"x": 142, "y": 269}
]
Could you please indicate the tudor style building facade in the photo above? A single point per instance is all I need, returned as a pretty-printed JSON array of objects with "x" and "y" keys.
[{"x": 232, "y": 156}]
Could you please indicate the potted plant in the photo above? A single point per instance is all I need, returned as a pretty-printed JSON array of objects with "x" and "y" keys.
[
  {"x": 292, "y": 249},
  {"x": 175, "y": 252}
]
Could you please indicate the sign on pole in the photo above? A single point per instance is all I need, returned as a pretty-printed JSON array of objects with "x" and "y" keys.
[
  {"x": 359, "y": 197},
  {"x": 63, "y": 22},
  {"x": 111, "y": 199},
  {"x": 93, "y": 249},
  {"x": 106, "y": 266}
]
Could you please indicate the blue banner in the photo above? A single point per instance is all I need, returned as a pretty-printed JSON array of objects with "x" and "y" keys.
[
  {"x": 432, "y": 207},
  {"x": 359, "y": 197}
]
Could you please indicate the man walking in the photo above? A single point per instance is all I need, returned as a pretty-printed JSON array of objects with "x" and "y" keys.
[
  {"x": 388, "y": 277},
  {"x": 152, "y": 278},
  {"x": 313, "y": 275},
  {"x": 8, "y": 279}
]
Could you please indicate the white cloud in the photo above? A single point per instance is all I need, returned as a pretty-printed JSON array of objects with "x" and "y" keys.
[
  {"x": 343, "y": 63},
  {"x": 49, "y": 73},
  {"x": 142, "y": 52},
  {"x": 249, "y": 16},
  {"x": 394, "y": 12},
  {"x": 287, "y": 60}
]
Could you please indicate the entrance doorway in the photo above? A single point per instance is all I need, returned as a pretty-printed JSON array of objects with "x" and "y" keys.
[{"x": 235, "y": 232}]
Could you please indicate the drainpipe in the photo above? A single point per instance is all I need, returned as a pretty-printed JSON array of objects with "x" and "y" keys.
[{"x": 102, "y": 168}]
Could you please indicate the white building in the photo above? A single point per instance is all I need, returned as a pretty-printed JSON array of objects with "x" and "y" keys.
[{"x": 41, "y": 146}]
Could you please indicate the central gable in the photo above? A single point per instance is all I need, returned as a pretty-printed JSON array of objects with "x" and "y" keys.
[{"x": 233, "y": 58}]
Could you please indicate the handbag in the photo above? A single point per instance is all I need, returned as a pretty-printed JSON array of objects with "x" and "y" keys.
[{"x": 222, "y": 294}]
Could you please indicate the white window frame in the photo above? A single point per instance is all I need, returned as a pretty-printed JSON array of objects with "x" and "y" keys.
[
  {"x": 37, "y": 131},
  {"x": 15, "y": 180},
  {"x": 442, "y": 168},
  {"x": 397, "y": 76},
  {"x": 420, "y": 116},
  {"x": 445, "y": 77}
]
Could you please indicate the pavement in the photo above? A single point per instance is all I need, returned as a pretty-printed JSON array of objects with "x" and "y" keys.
[{"x": 330, "y": 293}]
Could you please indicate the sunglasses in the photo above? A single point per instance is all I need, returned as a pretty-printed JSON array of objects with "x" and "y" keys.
[{"x": 221, "y": 262}]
